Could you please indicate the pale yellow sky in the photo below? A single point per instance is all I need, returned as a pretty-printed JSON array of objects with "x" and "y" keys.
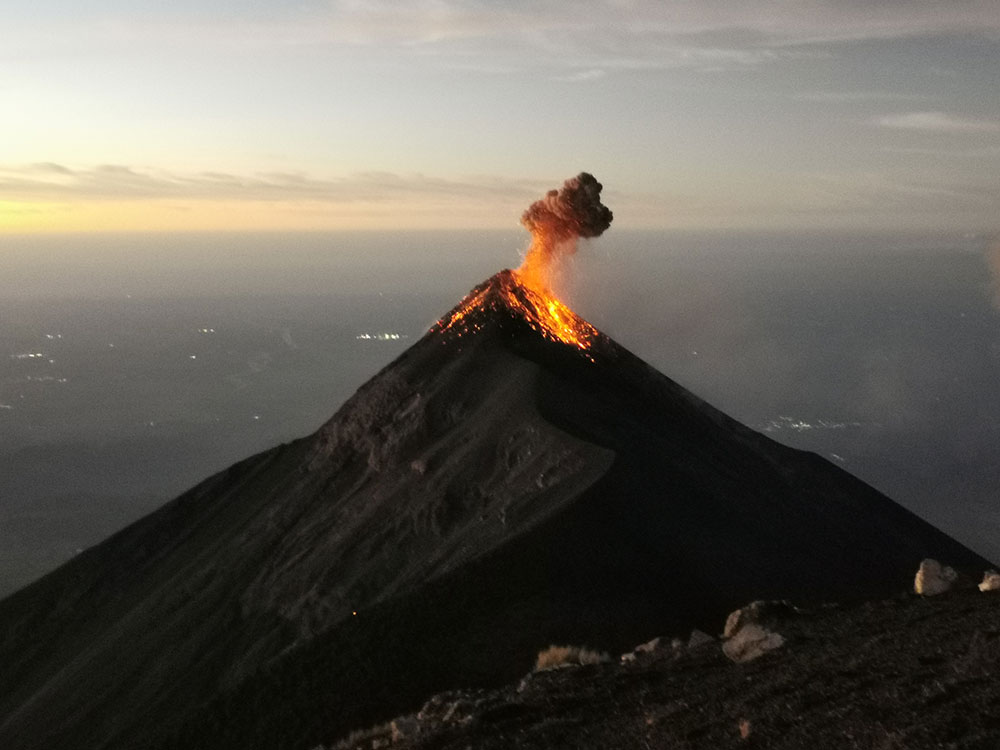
[
  {"x": 217, "y": 215},
  {"x": 117, "y": 116}
]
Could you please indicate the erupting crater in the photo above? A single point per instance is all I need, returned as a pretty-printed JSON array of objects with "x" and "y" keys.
[
  {"x": 542, "y": 311},
  {"x": 556, "y": 222}
]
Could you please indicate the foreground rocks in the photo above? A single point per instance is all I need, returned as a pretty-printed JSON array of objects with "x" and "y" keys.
[
  {"x": 933, "y": 578},
  {"x": 909, "y": 673},
  {"x": 991, "y": 581},
  {"x": 751, "y": 642}
]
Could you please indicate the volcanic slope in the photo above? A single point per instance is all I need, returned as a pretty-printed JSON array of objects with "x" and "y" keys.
[{"x": 490, "y": 492}]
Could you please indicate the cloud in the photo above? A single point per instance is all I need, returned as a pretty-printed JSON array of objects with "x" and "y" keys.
[
  {"x": 861, "y": 190},
  {"x": 846, "y": 97},
  {"x": 50, "y": 181},
  {"x": 52, "y": 197},
  {"x": 989, "y": 152},
  {"x": 580, "y": 76},
  {"x": 810, "y": 21},
  {"x": 124, "y": 197},
  {"x": 582, "y": 36},
  {"x": 938, "y": 122}
]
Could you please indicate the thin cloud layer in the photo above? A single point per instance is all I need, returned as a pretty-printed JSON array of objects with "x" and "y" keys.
[
  {"x": 51, "y": 181},
  {"x": 589, "y": 33},
  {"x": 811, "y": 199},
  {"x": 429, "y": 21},
  {"x": 938, "y": 122}
]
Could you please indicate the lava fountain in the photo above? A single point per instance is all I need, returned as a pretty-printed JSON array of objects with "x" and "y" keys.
[{"x": 556, "y": 222}]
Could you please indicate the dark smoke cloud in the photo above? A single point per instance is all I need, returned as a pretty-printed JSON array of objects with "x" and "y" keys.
[{"x": 574, "y": 211}]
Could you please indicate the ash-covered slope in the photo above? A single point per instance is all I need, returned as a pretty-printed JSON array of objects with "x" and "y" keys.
[{"x": 491, "y": 491}]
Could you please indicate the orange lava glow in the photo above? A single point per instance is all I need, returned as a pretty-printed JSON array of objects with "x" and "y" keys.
[{"x": 525, "y": 292}]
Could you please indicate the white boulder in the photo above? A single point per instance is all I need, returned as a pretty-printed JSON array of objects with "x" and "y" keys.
[
  {"x": 760, "y": 612},
  {"x": 648, "y": 647},
  {"x": 750, "y": 642},
  {"x": 933, "y": 578},
  {"x": 991, "y": 581},
  {"x": 643, "y": 648}
]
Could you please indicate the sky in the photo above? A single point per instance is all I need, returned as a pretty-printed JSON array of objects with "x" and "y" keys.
[{"x": 125, "y": 115}]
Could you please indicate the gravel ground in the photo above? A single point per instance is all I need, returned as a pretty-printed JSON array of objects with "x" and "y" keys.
[{"x": 908, "y": 672}]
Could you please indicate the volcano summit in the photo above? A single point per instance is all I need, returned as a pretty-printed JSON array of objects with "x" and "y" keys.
[{"x": 514, "y": 479}]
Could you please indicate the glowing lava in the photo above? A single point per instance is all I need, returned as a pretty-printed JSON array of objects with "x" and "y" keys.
[{"x": 543, "y": 312}]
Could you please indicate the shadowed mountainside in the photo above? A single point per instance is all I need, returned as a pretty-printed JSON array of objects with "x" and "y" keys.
[{"x": 489, "y": 492}]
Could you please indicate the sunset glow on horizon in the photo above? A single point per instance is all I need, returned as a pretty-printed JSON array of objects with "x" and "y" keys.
[{"x": 205, "y": 215}]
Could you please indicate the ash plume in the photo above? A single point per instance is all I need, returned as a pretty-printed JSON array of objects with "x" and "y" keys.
[
  {"x": 557, "y": 221},
  {"x": 574, "y": 211}
]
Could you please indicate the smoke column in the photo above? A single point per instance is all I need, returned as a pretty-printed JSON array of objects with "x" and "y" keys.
[{"x": 557, "y": 221}]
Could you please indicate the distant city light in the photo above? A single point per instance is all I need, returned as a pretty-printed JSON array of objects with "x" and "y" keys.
[
  {"x": 800, "y": 425},
  {"x": 381, "y": 336}
]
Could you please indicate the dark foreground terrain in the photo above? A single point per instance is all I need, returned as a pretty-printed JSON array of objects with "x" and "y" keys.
[{"x": 907, "y": 672}]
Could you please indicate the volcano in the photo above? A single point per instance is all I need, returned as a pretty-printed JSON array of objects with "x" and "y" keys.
[{"x": 514, "y": 479}]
